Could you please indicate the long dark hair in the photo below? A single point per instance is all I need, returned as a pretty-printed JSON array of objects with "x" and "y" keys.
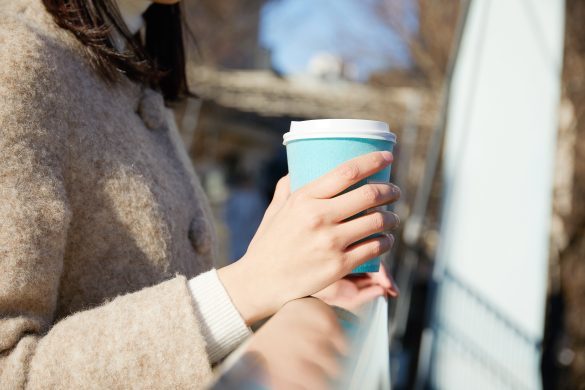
[{"x": 158, "y": 62}]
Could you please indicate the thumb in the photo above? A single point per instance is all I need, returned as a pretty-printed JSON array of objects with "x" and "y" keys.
[{"x": 281, "y": 193}]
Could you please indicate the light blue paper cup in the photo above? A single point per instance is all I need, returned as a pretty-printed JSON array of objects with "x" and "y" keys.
[{"x": 316, "y": 147}]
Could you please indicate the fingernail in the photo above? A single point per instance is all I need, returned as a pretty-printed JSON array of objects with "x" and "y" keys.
[
  {"x": 387, "y": 156},
  {"x": 396, "y": 220},
  {"x": 395, "y": 189},
  {"x": 393, "y": 291},
  {"x": 390, "y": 239}
]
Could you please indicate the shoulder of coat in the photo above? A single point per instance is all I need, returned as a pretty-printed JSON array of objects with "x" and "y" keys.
[
  {"x": 37, "y": 92},
  {"x": 36, "y": 56}
]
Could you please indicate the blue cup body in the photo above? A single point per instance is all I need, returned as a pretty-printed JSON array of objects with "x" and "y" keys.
[{"x": 311, "y": 158}]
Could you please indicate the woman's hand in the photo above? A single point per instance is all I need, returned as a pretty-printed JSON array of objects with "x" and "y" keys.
[
  {"x": 306, "y": 241},
  {"x": 300, "y": 347},
  {"x": 351, "y": 292}
]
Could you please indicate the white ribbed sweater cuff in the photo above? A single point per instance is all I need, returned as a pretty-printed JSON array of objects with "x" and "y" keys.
[{"x": 221, "y": 324}]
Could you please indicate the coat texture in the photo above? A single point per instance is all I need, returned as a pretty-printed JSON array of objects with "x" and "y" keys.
[{"x": 102, "y": 220}]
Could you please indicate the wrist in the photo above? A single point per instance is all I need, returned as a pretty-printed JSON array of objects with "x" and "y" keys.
[
  {"x": 247, "y": 291},
  {"x": 220, "y": 323}
]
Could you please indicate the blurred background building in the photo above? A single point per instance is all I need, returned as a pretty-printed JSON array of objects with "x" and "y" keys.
[{"x": 258, "y": 64}]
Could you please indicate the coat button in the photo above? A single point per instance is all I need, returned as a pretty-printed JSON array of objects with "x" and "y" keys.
[
  {"x": 200, "y": 236},
  {"x": 151, "y": 109}
]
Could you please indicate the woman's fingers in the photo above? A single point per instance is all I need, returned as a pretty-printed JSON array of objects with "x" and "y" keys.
[
  {"x": 384, "y": 279},
  {"x": 393, "y": 290},
  {"x": 366, "y": 225},
  {"x": 338, "y": 291},
  {"x": 381, "y": 277},
  {"x": 363, "y": 198},
  {"x": 359, "y": 281},
  {"x": 366, "y": 295},
  {"x": 347, "y": 174},
  {"x": 359, "y": 253},
  {"x": 326, "y": 355}
]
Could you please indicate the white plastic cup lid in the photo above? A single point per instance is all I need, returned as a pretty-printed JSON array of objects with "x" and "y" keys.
[{"x": 339, "y": 128}]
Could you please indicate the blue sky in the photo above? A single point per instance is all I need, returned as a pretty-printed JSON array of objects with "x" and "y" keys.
[{"x": 295, "y": 30}]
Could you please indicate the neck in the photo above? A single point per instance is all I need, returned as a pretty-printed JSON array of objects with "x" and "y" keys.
[{"x": 131, "y": 11}]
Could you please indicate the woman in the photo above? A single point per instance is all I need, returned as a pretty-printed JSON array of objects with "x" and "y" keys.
[{"x": 106, "y": 242}]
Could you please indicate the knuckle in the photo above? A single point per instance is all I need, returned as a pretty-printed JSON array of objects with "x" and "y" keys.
[
  {"x": 295, "y": 197},
  {"x": 329, "y": 241},
  {"x": 378, "y": 160},
  {"x": 371, "y": 193},
  {"x": 338, "y": 266},
  {"x": 378, "y": 221},
  {"x": 298, "y": 199},
  {"x": 349, "y": 171},
  {"x": 341, "y": 265},
  {"x": 315, "y": 220}
]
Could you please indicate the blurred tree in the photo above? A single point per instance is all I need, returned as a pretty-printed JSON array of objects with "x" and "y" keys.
[
  {"x": 430, "y": 45},
  {"x": 226, "y": 32}
]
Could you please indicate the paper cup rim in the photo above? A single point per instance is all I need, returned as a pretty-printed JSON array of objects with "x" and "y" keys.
[{"x": 339, "y": 128}]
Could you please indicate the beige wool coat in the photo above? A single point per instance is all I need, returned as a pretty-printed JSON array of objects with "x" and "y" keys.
[{"x": 102, "y": 220}]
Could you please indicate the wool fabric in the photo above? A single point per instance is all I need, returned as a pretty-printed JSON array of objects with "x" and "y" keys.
[{"x": 101, "y": 223}]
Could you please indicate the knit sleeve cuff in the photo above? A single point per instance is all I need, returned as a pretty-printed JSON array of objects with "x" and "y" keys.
[{"x": 221, "y": 324}]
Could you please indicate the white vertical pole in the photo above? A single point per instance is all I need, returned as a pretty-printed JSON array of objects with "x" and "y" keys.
[{"x": 498, "y": 168}]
